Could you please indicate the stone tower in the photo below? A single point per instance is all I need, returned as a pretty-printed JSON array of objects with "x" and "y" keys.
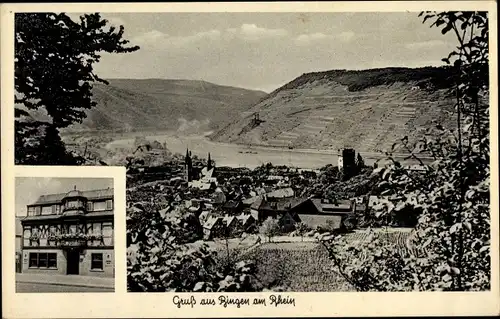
[{"x": 188, "y": 167}]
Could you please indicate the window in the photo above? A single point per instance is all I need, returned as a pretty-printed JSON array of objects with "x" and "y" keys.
[
  {"x": 96, "y": 263},
  {"x": 52, "y": 230},
  {"x": 107, "y": 233},
  {"x": 35, "y": 237},
  {"x": 27, "y": 235},
  {"x": 73, "y": 204},
  {"x": 52, "y": 257},
  {"x": 90, "y": 206},
  {"x": 96, "y": 229},
  {"x": 38, "y": 210},
  {"x": 43, "y": 260},
  {"x": 58, "y": 209},
  {"x": 33, "y": 260},
  {"x": 31, "y": 211},
  {"x": 109, "y": 204},
  {"x": 99, "y": 206},
  {"x": 72, "y": 229}
]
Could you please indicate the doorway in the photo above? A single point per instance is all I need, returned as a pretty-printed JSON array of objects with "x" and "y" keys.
[{"x": 73, "y": 262}]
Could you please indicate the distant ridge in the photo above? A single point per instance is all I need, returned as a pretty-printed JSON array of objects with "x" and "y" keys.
[
  {"x": 163, "y": 104},
  {"x": 365, "y": 109}
]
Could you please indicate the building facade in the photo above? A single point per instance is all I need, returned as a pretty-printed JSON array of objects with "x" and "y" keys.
[{"x": 70, "y": 233}]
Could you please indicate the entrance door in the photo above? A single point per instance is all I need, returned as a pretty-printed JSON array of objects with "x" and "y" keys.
[{"x": 73, "y": 262}]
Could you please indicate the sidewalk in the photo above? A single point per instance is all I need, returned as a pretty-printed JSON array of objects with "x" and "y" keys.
[{"x": 66, "y": 280}]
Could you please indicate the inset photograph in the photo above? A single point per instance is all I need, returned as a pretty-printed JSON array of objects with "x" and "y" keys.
[{"x": 64, "y": 234}]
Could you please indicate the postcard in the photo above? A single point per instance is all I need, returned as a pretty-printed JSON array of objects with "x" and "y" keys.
[{"x": 285, "y": 159}]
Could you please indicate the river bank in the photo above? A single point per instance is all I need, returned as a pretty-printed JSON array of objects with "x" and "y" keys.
[{"x": 237, "y": 155}]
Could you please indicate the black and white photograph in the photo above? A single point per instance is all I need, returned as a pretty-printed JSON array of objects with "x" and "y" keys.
[
  {"x": 279, "y": 152},
  {"x": 64, "y": 235}
]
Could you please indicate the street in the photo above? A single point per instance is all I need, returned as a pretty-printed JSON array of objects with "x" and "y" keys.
[{"x": 40, "y": 287}]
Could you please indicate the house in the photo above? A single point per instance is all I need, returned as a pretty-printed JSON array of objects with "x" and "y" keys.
[
  {"x": 213, "y": 227},
  {"x": 247, "y": 222},
  {"x": 281, "y": 193},
  {"x": 19, "y": 242},
  {"x": 19, "y": 235},
  {"x": 255, "y": 206},
  {"x": 281, "y": 208},
  {"x": 320, "y": 213},
  {"x": 260, "y": 191},
  {"x": 70, "y": 234},
  {"x": 218, "y": 197},
  {"x": 204, "y": 216},
  {"x": 247, "y": 202},
  {"x": 232, "y": 226},
  {"x": 287, "y": 221},
  {"x": 233, "y": 207},
  {"x": 202, "y": 185}
]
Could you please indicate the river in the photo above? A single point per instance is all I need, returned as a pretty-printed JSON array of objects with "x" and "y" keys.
[{"x": 235, "y": 155}]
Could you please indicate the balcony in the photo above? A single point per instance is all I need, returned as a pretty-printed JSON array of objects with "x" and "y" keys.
[
  {"x": 72, "y": 243},
  {"x": 74, "y": 240}
]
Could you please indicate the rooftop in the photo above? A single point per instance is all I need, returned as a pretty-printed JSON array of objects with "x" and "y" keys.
[{"x": 91, "y": 195}]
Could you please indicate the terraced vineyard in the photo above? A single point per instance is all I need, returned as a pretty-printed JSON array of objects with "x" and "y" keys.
[
  {"x": 322, "y": 110},
  {"x": 297, "y": 268},
  {"x": 399, "y": 238},
  {"x": 305, "y": 266}
]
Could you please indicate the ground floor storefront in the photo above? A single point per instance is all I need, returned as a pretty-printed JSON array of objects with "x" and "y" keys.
[{"x": 97, "y": 262}]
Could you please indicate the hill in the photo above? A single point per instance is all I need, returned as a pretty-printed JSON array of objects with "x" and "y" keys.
[
  {"x": 159, "y": 104},
  {"x": 368, "y": 110}
]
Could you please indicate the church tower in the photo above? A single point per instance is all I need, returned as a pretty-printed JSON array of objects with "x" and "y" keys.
[
  {"x": 209, "y": 162},
  {"x": 188, "y": 167}
]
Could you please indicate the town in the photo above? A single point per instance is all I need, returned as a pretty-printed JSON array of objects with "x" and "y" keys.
[
  {"x": 243, "y": 210},
  {"x": 229, "y": 201}
]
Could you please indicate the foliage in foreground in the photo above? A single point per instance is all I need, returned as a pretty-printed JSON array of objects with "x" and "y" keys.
[
  {"x": 165, "y": 257},
  {"x": 451, "y": 242},
  {"x": 53, "y": 76}
]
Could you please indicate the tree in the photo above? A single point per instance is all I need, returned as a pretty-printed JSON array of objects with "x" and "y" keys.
[
  {"x": 270, "y": 228},
  {"x": 164, "y": 256},
  {"x": 301, "y": 230},
  {"x": 450, "y": 245},
  {"x": 53, "y": 75}
]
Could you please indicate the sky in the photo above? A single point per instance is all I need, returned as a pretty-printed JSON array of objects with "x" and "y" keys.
[
  {"x": 28, "y": 189},
  {"x": 266, "y": 50}
]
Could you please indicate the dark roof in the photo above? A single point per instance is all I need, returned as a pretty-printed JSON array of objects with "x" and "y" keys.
[
  {"x": 341, "y": 206},
  {"x": 58, "y": 216},
  {"x": 92, "y": 195},
  {"x": 212, "y": 221},
  {"x": 40, "y": 217},
  {"x": 282, "y": 204},
  {"x": 232, "y": 204},
  {"x": 74, "y": 193},
  {"x": 257, "y": 202},
  {"x": 229, "y": 219},
  {"x": 245, "y": 218}
]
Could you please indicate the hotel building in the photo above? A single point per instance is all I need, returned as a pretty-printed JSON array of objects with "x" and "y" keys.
[{"x": 70, "y": 234}]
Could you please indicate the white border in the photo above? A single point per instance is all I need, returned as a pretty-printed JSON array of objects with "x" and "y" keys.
[{"x": 122, "y": 304}]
